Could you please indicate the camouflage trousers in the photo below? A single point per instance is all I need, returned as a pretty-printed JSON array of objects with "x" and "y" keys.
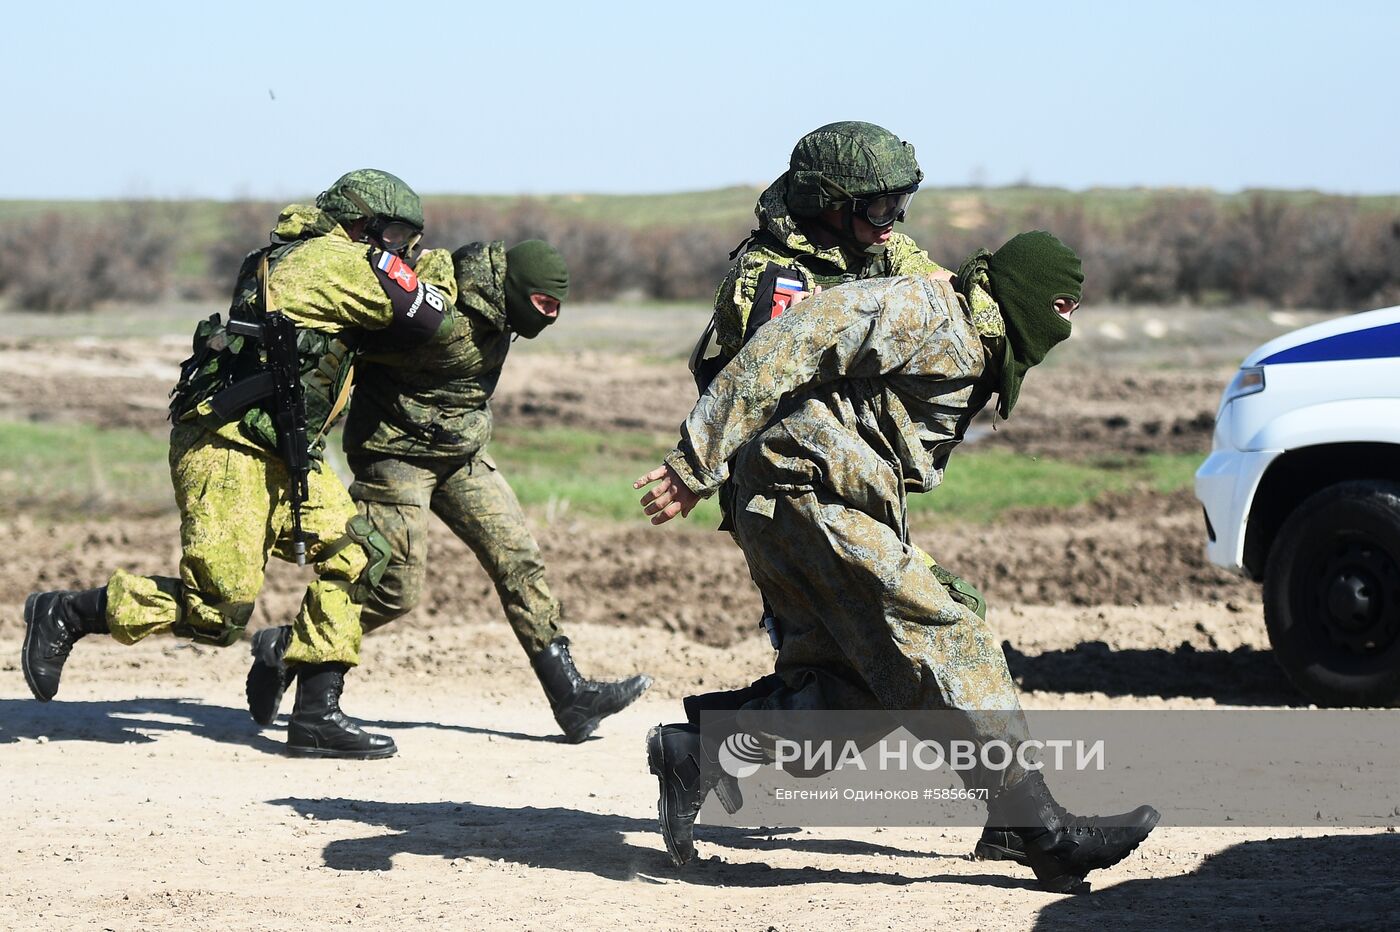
[
  {"x": 477, "y": 504},
  {"x": 234, "y": 514},
  {"x": 865, "y": 623}
]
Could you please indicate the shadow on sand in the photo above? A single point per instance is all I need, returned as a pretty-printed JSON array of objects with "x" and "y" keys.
[
  {"x": 1339, "y": 881},
  {"x": 1243, "y": 676},
  {"x": 140, "y": 721},
  {"x": 572, "y": 840},
  {"x": 1332, "y": 882},
  {"x": 129, "y": 721}
]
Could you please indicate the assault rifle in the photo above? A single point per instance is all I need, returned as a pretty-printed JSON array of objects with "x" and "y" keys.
[{"x": 279, "y": 339}]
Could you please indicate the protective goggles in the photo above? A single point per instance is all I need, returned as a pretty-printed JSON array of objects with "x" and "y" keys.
[
  {"x": 395, "y": 236},
  {"x": 883, "y": 210}
]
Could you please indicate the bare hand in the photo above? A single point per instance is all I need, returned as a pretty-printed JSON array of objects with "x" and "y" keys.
[
  {"x": 669, "y": 498},
  {"x": 804, "y": 295}
]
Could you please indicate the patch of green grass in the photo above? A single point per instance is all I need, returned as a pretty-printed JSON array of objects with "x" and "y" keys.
[
  {"x": 76, "y": 470},
  {"x": 1170, "y": 472},
  {"x": 980, "y": 485},
  {"x": 732, "y": 207},
  {"x": 566, "y": 471},
  {"x": 590, "y": 473},
  {"x": 79, "y": 471},
  {"x": 148, "y": 322}
]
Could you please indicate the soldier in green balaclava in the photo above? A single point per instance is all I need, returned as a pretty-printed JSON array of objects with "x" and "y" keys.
[
  {"x": 1031, "y": 275},
  {"x": 416, "y": 440},
  {"x": 823, "y": 423},
  {"x": 339, "y": 273}
]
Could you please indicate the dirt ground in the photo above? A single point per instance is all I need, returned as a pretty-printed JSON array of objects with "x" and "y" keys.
[{"x": 145, "y": 798}]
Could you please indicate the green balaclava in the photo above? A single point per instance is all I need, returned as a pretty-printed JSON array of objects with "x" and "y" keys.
[
  {"x": 1027, "y": 274},
  {"x": 533, "y": 267}
]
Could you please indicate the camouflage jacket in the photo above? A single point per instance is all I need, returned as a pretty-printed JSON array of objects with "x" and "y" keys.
[
  {"x": 779, "y": 240},
  {"x": 434, "y": 403},
  {"x": 865, "y": 395},
  {"x": 341, "y": 295}
]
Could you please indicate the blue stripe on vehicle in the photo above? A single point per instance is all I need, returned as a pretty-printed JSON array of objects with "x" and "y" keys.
[{"x": 1375, "y": 343}]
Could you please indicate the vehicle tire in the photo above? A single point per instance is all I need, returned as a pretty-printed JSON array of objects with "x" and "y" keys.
[{"x": 1332, "y": 595}]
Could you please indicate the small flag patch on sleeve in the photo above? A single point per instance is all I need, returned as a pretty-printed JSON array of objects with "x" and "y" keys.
[{"x": 397, "y": 271}]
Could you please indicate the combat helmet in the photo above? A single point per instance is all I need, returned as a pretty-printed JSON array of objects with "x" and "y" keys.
[
  {"x": 852, "y": 162},
  {"x": 385, "y": 200}
]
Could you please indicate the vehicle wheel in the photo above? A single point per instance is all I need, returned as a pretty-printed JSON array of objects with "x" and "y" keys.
[{"x": 1332, "y": 595}]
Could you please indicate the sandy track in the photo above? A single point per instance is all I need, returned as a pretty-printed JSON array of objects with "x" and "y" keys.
[{"x": 146, "y": 799}]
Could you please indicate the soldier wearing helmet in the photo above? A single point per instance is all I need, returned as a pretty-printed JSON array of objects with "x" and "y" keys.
[
  {"x": 828, "y": 219},
  {"x": 340, "y": 274},
  {"x": 375, "y": 207}
]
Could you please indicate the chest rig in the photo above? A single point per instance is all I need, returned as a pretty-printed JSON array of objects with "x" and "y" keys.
[{"x": 226, "y": 378}]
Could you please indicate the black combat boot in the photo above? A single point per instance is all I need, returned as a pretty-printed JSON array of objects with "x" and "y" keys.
[
  {"x": 53, "y": 622},
  {"x": 269, "y": 676},
  {"x": 1060, "y": 847},
  {"x": 719, "y": 706},
  {"x": 686, "y": 774},
  {"x": 580, "y": 704},
  {"x": 319, "y": 729},
  {"x": 998, "y": 842}
]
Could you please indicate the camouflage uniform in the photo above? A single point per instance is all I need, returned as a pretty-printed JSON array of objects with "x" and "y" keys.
[
  {"x": 780, "y": 240},
  {"x": 231, "y": 484},
  {"x": 824, "y": 422},
  {"x": 863, "y": 156},
  {"x": 416, "y": 440}
]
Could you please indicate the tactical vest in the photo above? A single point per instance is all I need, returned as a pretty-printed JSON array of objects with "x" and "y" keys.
[
  {"x": 815, "y": 270},
  {"x": 439, "y": 406},
  {"x": 222, "y": 359},
  {"x": 708, "y": 356},
  {"x": 435, "y": 403}
]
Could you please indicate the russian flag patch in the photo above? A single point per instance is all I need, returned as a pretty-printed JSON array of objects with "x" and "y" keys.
[
  {"x": 784, "y": 291},
  {"x": 397, "y": 270}
]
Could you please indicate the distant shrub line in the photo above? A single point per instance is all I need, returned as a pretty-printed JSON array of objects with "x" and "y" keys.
[{"x": 1324, "y": 252}]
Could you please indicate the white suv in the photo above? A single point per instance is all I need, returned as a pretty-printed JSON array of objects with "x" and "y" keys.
[{"x": 1302, "y": 492}]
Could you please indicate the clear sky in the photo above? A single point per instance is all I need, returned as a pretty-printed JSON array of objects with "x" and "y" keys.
[{"x": 276, "y": 99}]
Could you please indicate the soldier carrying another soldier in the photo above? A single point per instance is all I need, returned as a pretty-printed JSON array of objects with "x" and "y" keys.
[
  {"x": 823, "y": 422},
  {"x": 830, "y": 219},
  {"x": 250, "y": 416}
]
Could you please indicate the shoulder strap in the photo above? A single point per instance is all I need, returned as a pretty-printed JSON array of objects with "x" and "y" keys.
[
  {"x": 341, "y": 400},
  {"x": 262, "y": 283}
]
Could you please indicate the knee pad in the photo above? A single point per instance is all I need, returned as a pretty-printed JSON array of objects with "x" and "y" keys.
[{"x": 360, "y": 530}]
